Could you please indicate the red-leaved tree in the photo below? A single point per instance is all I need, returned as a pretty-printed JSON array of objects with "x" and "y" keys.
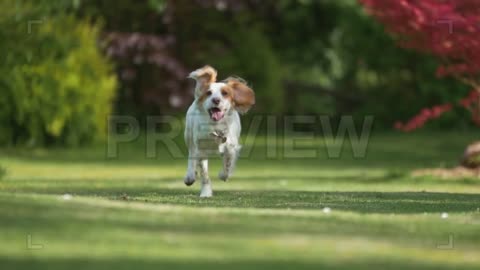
[{"x": 447, "y": 29}]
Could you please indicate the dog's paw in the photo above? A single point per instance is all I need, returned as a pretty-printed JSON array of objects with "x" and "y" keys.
[
  {"x": 219, "y": 137},
  {"x": 206, "y": 191},
  {"x": 189, "y": 179},
  {"x": 223, "y": 176}
]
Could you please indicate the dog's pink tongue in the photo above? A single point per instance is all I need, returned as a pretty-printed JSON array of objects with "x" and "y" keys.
[{"x": 217, "y": 115}]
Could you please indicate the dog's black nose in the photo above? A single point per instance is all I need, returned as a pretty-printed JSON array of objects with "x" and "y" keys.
[{"x": 216, "y": 101}]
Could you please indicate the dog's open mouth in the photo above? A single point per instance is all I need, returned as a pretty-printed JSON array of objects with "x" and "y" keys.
[{"x": 215, "y": 114}]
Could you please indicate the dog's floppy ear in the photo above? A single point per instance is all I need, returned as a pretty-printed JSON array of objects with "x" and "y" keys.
[
  {"x": 204, "y": 77},
  {"x": 243, "y": 96}
]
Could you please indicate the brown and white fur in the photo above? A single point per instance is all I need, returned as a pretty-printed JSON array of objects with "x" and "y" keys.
[{"x": 213, "y": 125}]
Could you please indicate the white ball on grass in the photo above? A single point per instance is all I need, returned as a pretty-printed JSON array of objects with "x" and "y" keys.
[{"x": 67, "y": 197}]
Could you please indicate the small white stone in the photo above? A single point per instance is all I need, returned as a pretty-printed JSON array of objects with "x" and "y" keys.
[
  {"x": 327, "y": 210},
  {"x": 444, "y": 215},
  {"x": 67, "y": 197}
]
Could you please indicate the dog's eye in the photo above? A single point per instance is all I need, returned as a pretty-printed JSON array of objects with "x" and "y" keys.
[
  {"x": 224, "y": 93},
  {"x": 209, "y": 93}
]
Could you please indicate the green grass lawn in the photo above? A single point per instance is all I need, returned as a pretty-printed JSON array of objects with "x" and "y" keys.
[{"x": 134, "y": 212}]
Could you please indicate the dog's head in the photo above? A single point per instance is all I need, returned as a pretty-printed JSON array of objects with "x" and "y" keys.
[{"x": 218, "y": 98}]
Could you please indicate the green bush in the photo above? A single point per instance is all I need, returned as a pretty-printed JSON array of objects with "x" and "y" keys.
[
  {"x": 394, "y": 83},
  {"x": 57, "y": 88}
]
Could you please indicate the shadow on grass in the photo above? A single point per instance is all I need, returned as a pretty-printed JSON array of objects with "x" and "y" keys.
[
  {"x": 363, "y": 202},
  {"x": 128, "y": 264},
  {"x": 364, "y": 178}
]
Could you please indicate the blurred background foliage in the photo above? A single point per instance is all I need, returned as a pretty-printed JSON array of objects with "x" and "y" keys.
[
  {"x": 300, "y": 56},
  {"x": 57, "y": 87}
]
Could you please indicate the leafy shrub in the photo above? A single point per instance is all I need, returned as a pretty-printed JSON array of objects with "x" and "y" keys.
[
  {"x": 395, "y": 83},
  {"x": 57, "y": 88}
]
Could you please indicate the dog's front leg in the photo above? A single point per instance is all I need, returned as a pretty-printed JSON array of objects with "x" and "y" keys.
[
  {"x": 230, "y": 156},
  {"x": 192, "y": 165},
  {"x": 206, "y": 183}
]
